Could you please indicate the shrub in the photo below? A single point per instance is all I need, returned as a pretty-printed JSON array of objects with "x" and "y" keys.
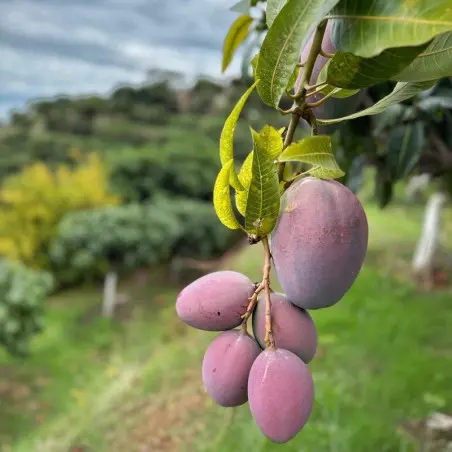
[
  {"x": 34, "y": 201},
  {"x": 22, "y": 293}
]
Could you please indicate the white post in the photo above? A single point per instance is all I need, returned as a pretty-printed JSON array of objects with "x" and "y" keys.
[
  {"x": 416, "y": 185},
  {"x": 428, "y": 241},
  {"x": 109, "y": 294}
]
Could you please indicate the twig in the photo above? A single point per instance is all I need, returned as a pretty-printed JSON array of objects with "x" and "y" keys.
[
  {"x": 269, "y": 341},
  {"x": 321, "y": 101},
  {"x": 251, "y": 305}
]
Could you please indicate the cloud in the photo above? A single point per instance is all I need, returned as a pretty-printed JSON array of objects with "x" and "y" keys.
[{"x": 50, "y": 47}]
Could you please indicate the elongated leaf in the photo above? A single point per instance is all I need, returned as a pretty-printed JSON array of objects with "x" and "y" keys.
[
  {"x": 235, "y": 36},
  {"x": 318, "y": 152},
  {"x": 282, "y": 45},
  {"x": 227, "y": 136},
  {"x": 346, "y": 70},
  {"x": 405, "y": 145},
  {"x": 366, "y": 28},
  {"x": 402, "y": 91},
  {"x": 222, "y": 197},
  {"x": 273, "y": 9},
  {"x": 245, "y": 176},
  {"x": 262, "y": 207},
  {"x": 433, "y": 63}
]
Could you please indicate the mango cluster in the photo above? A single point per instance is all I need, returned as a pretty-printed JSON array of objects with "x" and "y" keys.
[{"x": 318, "y": 248}]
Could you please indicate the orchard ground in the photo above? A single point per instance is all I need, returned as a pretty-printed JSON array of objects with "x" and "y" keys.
[{"x": 385, "y": 356}]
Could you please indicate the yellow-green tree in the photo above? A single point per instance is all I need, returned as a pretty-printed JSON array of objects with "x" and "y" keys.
[{"x": 33, "y": 202}]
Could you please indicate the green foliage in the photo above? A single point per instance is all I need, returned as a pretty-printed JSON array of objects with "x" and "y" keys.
[
  {"x": 346, "y": 70},
  {"x": 433, "y": 63},
  {"x": 123, "y": 237},
  {"x": 22, "y": 294},
  {"x": 237, "y": 33},
  {"x": 262, "y": 204},
  {"x": 405, "y": 145},
  {"x": 280, "y": 50},
  {"x": 401, "y": 92},
  {"x": 365, "y": 29},
  {"x": 273, "y": 9},
  {"x": 34, "y": 201},
  {"x": 316, "y": 151},
  {"x": 227, "y": 137},
  {"x": 222, "y": 197},
  {"x": 89, "y": 243}
]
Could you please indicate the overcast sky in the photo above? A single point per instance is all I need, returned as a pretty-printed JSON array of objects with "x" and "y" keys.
[{"x": 50, "y": 47}]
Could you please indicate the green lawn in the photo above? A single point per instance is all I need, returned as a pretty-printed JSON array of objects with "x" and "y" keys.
[{"x": 385, "y": 355}]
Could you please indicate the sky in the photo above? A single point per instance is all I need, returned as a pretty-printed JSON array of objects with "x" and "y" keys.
[{"x": 53, "y": 47}]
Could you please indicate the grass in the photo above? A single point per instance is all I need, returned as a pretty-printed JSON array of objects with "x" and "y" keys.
[{"x": 385, "y": 355}]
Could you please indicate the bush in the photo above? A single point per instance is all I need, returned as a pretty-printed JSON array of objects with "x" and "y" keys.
[
  {"x": 89, "y": 243},
  {"x": 22, "y": 293},
  {"x": 184, "y": 166},
  {"x": 34, "y": 201}
]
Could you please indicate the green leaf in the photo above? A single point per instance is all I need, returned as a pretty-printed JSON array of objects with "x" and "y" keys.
[
  {"x": 293, "y": 78},
  {"x": 401, "y": 91},
  {"x": 262, "y": 207},
  {"x": 388, "y": 118},
  {"x": 405, "y": 145},
  {"x": 254, "y": 64},
  {"x": 235, "y": 36},
  {"x": 245, "y": 176},
  {"x": 433, "y": 63},
  {"x": 222, "y": 197},
  {"x": 273, "y": 9},
  {"x": 318, "y": 152},
  {"x": 282, "y": 45},
  {"x": 366, "y": 28},
  {"x": 341, "y": 93},
  {"x": 227, "y": 136},
  {"x": 346, "y": 70}
]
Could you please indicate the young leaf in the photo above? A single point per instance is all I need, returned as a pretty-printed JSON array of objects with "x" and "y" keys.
[
  {"x": 245, "y": 175},
  {"x": 222, "y": 197},
  {"x": 341, "y": 93},
  {"x": 273, "y": 9},
  {"x": 433, "y": 63},
  {"x": 405, "y": 145},
  {"x": 318, "y": 152},
  {"x": 281, "y": 48},
  {"x": 235, "y": 36},
  {"x": 227, "y": 136},
  {"x": 346, "y": 70},
  {"x": 262, "y": 206},
  {"x": 367, "y": 28},
  {"x": 401, "y": 92}
]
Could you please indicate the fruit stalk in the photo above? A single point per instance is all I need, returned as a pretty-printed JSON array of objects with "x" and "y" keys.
[
  {"x": 251, "y": 305},
  {"x": 269, "y": 340}
]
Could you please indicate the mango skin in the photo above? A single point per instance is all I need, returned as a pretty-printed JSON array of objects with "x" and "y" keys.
[
  {"x": 226, "y": 367},
  {"x": 319, "y": 243},
  {"x": 293, "y": 328},
  {"x": 215, "y": 302},
  {"x": 280, "y": 393}
]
